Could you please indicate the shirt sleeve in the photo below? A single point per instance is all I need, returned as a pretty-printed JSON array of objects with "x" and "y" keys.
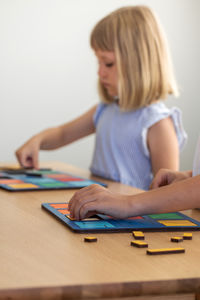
[
  {"x": 159, "y": 114},
  {"x": 97, "y": 114}
]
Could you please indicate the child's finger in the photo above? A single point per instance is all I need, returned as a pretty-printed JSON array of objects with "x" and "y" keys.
[
  {"x": 35, "y": 162},
  {"x": 25, "y": 160}
]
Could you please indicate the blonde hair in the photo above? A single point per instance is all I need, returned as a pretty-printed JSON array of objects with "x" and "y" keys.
[{"x": 145, "y": 72}]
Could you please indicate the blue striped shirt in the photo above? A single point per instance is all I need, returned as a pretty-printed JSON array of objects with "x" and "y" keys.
[{"x": 121, "y": 152}]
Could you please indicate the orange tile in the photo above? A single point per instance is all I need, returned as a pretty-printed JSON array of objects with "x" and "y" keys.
[{"x": 59, "y": 205}]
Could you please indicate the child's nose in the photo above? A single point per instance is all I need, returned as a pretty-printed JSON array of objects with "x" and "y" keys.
[{"x": 102, "y": 72}]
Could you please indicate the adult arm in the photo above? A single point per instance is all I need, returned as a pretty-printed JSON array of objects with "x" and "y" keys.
[{"x": 182, "y": 195}]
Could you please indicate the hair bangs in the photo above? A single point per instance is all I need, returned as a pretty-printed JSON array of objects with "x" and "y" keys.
[{"x": 102, "y": 36}]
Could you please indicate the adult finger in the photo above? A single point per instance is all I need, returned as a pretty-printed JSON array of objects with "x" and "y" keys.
[
  {"x": 88, "y": 197},
  {"x": 160, "y": 179},
  {"x": 81, "y": 193},
  {"x": 90, "y": 208}
]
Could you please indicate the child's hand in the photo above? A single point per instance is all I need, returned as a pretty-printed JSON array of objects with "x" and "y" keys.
[
  {"x": 165, "y": 177},
  {"x": 27, "y": 154},
  {"x": 97, "y": 199}
]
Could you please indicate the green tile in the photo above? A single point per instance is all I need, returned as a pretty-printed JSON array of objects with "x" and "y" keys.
[
  {"x": 167, "y": 216},
  {"x": 54, "y": 184}
]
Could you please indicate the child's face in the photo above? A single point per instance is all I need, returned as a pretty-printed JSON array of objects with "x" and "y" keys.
[{"x": 107, "y": 71}]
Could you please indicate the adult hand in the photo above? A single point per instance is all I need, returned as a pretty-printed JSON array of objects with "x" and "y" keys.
[
  {"x": 165, "y": 177},
  {"x": 97, "y": 199}
]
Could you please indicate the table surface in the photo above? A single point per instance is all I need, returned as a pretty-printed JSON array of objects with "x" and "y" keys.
[{"x": 40, "y": 255}]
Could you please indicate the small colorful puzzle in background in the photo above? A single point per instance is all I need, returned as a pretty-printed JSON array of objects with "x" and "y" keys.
[
  {"x": 42, "y": 179},
  {"x": 102, "y": 223}
]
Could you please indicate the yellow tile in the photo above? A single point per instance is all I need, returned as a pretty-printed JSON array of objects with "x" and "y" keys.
[
  {"x": 23, "y": 186},
  {"x": 177, "y": 223},
  {"x": 72, "y": 219}
]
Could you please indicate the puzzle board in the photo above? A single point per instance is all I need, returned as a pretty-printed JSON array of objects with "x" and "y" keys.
[
  {"x": 102, "y": 223},
  {"x": 42, "y": 179}
]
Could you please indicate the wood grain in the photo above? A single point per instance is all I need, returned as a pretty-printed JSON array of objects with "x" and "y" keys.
[{"x": 40, "y": 258}]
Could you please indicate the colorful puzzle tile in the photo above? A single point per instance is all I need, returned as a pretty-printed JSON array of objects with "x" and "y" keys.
[
  {"x": 60, "y": 205},
  {"x": 47, "y": 171},
  {"x": 57, "y": 176},
  {"x": 94, "y": 224},
  {"x": 167, "y": 216},
  {"x": 23, "y": 186},
  {"x": 54, "y": 184},
  {"x": 70, "y": 218},
  {"x": 39, "y": 180},
  {"x": 177, "y": 223},
  {"x": 135, "y": 218},
  {"x": 64, "y": 211},
  {"x": 10, "y": 181},
  {"x": 66, "y": 179},
  {"x": 81, "y": 183}
]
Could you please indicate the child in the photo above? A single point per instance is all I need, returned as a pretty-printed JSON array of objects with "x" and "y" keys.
[{"x": 136, "y": 134}]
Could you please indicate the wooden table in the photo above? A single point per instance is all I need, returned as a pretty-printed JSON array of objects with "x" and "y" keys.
[{"x": 40, "y": 258}]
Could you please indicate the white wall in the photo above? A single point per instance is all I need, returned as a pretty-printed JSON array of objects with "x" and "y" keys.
[{"x": 48, "y": 71}]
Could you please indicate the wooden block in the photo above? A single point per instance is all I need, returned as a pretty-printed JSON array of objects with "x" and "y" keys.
[
  {"x": 139, "y": 244},
  {"x": 165, "y": 251},
  {"x": 187, "y": 236},
  {"x": 72, "y": 219},
  {"x": 177, "y": 239},
  {"x": 138, "y": 235},
  {"x": 90, "y": 239}
]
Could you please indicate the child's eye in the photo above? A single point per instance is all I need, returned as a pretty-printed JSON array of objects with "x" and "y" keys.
[{"x": 109, "y": 65}]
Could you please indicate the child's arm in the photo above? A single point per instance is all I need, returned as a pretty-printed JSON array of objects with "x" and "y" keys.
[
  {"x": 56, "y": 137},
  {"x": 163, "y": 146},
  {"x": 183, "y": 195}
]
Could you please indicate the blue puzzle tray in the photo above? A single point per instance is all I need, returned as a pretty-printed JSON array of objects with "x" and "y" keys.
[
  {"x": 101, "y": 223},
  {"x": 42, "y": 179}
]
